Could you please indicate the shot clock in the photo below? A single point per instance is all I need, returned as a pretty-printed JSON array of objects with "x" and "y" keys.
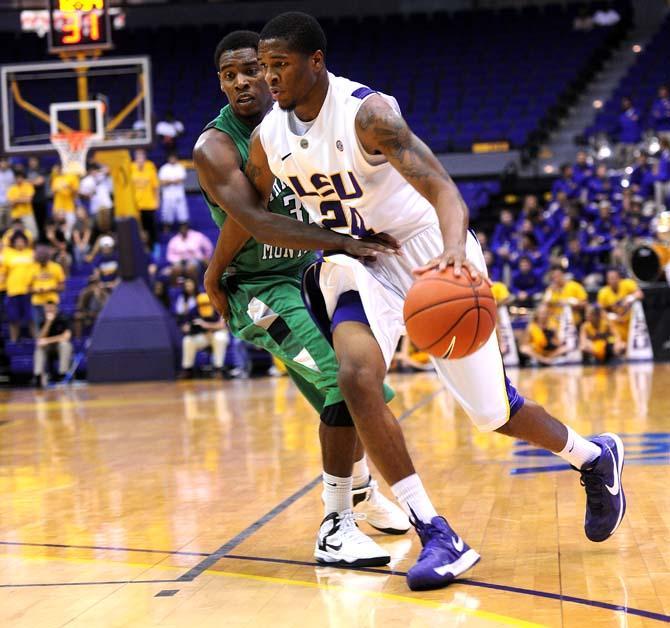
[{"x": 77, "y": 25}]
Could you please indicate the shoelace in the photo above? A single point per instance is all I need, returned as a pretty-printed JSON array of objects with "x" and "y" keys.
[
  {"x": 348, "y": 520},
  {"x": 429, "y": 535},
  {"x": 593, "y": 484}
]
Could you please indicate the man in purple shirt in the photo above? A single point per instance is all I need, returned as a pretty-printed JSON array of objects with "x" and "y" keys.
[
  {"x": 600, "y": 186},
  {"x": 630, "y": 133},
  {"x": 640, "y": 169},
  {"x": 662, "y": 172},
  {"x": 582, "y": 169},
  {"x": 565, "y": 183},
  {"x": 660, "y": 111},
  {"x": 526, "y": 282}
]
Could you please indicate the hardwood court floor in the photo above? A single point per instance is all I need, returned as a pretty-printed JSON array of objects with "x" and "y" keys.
[{"x": 197, "y": 505}]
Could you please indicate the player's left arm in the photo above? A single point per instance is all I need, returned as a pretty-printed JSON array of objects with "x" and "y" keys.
[{"x": 382, "y": 130}]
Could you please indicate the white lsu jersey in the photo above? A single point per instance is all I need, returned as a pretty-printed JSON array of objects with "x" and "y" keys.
[{"x": 342, "y": 187}]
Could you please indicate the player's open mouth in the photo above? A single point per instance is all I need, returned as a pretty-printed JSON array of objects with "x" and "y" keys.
[{"x": 245, "y": 98}]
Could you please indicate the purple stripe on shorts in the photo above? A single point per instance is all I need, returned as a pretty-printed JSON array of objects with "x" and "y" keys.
[
  {"x": 349, "y": 308},
  {"x": 515, "y": 399}
]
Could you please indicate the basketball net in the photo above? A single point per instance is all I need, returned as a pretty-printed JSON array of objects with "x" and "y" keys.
[{"x": 72, "y": 149}]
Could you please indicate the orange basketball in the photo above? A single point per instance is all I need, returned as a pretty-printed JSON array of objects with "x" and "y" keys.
[{"x": 448, "y": 316}]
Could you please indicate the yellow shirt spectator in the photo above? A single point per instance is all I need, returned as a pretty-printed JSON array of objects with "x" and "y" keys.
[
  {"x": 607, "y": 297},
  {"x": 7, "y": 237},
  {"x": 20, "y": 197},
  {"x": 64, "y": 188},
  {"x": 572, "y": 293},
  {"x": 45, "y": 281},
  {"x": 562, "y": 292},
  {"x": 597, "y": 337},
  {"x": 601, "y": 332},
  {"x": 145, "y": 185},
  {"x": 610, "y": 300},
  {"x": 538, "y": 338},
  {"x": 500, "y": 292},
  {"x": 18, "y": 269}
]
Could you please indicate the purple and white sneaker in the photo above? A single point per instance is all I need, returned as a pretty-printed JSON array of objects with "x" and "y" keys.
[
  {"x": 444, "y": 556},
  {"x": 605, "y": 499}
]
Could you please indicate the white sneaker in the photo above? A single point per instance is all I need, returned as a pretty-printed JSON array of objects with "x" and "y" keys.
[
  {"x": 340, "y": 542},
  {"x": 381, "y": 513}
]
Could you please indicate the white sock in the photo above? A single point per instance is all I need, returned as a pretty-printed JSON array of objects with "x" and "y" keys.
[
  {"x": 578, "y": 451},
  {"x": 361, "y": 473},
  {"x": 336, "y": 493},
  {"x": 414, "y": 499}
]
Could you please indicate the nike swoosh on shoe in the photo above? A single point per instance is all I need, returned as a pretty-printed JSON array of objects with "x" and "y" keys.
[{"x": 616, "y": 487}]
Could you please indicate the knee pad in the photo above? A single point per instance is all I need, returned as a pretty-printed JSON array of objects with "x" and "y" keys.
[{"x": 337, "y": 415}]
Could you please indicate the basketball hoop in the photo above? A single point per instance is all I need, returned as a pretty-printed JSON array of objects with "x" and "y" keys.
[{"x": 72, "y": 149}]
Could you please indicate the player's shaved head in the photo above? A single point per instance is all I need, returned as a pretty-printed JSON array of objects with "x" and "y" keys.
[
  {"x": 237, "y": 40},
  {"x": 301, "y": 32}
]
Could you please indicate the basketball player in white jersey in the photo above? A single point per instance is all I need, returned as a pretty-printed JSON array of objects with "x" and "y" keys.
[{"x": 358, "y": 169}]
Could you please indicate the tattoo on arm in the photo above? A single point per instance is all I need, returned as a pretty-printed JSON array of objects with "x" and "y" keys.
[
  {"x": 385, "y": 131},
  {"x": 390, "y": 133}
]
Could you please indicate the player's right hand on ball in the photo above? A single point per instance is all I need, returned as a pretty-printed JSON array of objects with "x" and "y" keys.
[{"x": 369, "y": 247}]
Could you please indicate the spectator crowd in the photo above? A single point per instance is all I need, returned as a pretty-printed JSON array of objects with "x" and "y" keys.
[
  {"x": 58, "y": 230},
  {"x": 579, "y": 242}
]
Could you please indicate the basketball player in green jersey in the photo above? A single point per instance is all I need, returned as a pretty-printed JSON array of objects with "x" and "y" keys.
[{"x": 256, "y": 287}]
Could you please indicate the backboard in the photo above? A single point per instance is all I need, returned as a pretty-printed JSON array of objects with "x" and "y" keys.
[{"x": 108, "y": 97}]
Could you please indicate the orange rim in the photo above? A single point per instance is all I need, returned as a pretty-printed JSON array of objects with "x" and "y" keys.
[{"x": 76, "y": 139}]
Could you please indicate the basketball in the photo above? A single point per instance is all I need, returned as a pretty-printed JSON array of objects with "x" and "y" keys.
[{"x": 448, "y": 316}]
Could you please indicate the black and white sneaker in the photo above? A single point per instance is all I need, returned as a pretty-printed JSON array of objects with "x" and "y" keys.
[
  {"x": 381, "y": 513},
  {"x": 340, "y": 542}
]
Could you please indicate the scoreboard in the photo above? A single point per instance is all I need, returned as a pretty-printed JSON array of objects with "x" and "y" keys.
[{"x": 77, "y": 25}]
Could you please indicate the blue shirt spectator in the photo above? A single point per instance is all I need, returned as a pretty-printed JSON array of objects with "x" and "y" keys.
[
  {"x": 629, "y": 123},
  {"x": 646, "y": 189},
  {"x": 639, "y": 170},
  {"x": 493, "y": 265},
  {"x": 527, "y": 248},
  {"x": 579, "y": 263},
  {"x": 572, "y": 227},
  {"x": 582, "y": 170},
  {"x": 660, "y": 110},
  {"x": 635, "y": 225},
  {"x": 600, "y": 186},
  {"x": 503, "y": 234},
  {"x": 530, "y": 210},
  {"x": 526, "y": 281},
  {"x": 607, "y": 224},
  {"x": 565, "y": 183},
  {"x": 664, "y": 162}
]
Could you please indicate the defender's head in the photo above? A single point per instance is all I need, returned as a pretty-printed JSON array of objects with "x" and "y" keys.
[
  {"x": 240, "y": 77},
  {"x": 292, "y": 52}
]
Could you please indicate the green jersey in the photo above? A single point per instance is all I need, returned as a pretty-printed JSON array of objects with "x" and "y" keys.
[
  {"x": 266, "y": 306},
  {"x": 255, "y": 257}
]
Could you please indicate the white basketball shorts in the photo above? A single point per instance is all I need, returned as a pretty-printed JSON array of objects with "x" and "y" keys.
[{"x": 478, "y": 381}]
